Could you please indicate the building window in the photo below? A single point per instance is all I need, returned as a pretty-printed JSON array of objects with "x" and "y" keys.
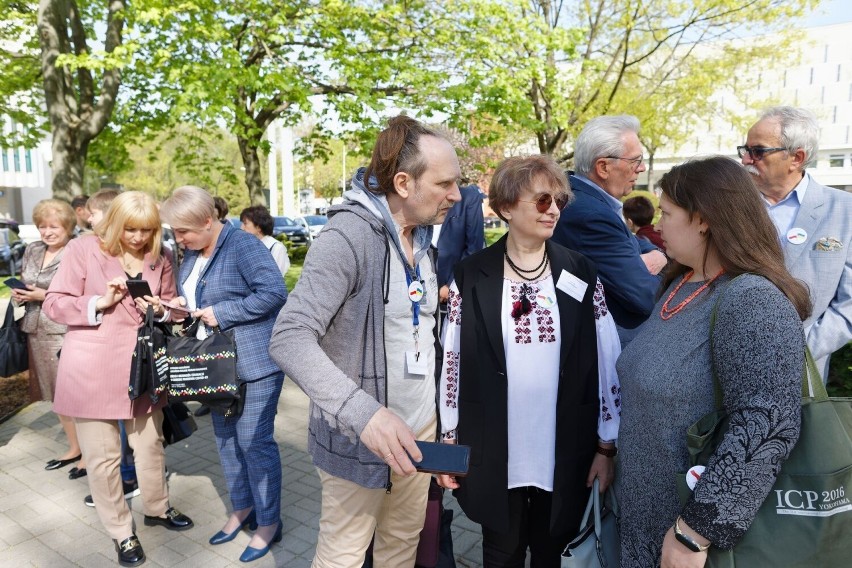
[
  {"x": 825, "y": 54},
  {"x": 28, "y": 161},
  {"x": 5, "y": 160},
  {"x": 16, "y": 159},
  {"x": 812, "y": 76},
  {"x": 835, "y": 161},
  {"x": 822, "y": 95},
  {"x": 838, "y": 72}
]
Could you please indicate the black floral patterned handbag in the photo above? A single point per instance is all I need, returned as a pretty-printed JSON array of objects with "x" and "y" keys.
[
  {"x": 149, "y": 371},
  {"x": 205, "y": 370}
]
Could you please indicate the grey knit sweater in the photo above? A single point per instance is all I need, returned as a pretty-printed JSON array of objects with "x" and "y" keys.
[{"x": 666, "y": 385}]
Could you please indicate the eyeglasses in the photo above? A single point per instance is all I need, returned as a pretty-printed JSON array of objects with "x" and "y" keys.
[
  {"x": 543, "y": 202},
  {"x": 635, "y": 162},
  {"x": 756, "y": 153}
]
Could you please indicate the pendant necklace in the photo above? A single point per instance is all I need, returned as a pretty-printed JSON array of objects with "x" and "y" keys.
[{"x": 667, "y": 313}]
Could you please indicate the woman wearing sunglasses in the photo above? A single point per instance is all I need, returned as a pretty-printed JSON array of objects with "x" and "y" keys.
[{"x": 520, "y": 381}]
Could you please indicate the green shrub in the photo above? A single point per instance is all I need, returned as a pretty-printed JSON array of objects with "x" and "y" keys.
[{"x": 840, "y": 372}]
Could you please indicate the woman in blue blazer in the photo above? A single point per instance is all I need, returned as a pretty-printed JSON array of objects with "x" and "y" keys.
[{"x": 229, "y": 280}]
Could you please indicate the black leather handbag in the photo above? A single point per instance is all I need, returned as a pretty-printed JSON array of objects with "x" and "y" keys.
[
  {"x": 13, "y": 346},
  {"x": 178, "y": 423},
  {"x": 205, "y": 370}
]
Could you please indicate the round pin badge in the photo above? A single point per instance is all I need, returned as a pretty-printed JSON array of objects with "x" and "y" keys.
[
  {"x": 544, "y": 300},
  {"x": 415, "y": 291},
  {"x": 797, "y": 235},
  {"x": 693, "y": 475}
]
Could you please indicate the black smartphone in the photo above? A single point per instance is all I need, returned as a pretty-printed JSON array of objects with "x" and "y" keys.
[
  {"x": 450, "y": 459},
  {"x": 15, "y": 283},
  {"x": 138, "y": 288}
]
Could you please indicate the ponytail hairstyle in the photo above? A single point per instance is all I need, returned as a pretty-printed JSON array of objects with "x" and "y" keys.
[
  {"x": 397, "y": 150},
  {"x": 722, "y": 193}
]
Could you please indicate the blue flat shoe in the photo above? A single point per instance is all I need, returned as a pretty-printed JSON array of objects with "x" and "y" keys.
[
  {"x": 223, "y": 537},
  {"x": 251, "y": 554}
]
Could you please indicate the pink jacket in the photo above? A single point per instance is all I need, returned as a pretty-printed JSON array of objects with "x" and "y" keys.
[{"x": 94, "y": 368}]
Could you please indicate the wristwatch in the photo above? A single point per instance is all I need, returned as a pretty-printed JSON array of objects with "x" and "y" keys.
[
  {"x": 687, "y": 540},
  {"x": 608, "y": 452}
]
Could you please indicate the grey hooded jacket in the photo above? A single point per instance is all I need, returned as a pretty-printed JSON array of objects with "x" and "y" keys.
[{"x": 329, "y": 339}]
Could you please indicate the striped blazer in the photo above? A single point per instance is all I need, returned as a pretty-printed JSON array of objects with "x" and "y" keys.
[
  {"x": 246, "y": 289},
  {"x": 94, "y": 369}
]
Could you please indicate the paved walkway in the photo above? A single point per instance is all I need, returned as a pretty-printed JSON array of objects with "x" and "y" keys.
[{"x": 44, "y": 523}]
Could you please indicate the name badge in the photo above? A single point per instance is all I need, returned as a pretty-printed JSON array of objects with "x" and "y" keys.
[
  {"x": 415, "y": 365},
  {"x": 572, "y": 285}
]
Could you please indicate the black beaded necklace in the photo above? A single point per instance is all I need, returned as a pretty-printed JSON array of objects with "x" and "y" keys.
[{"x": 541, "y": 268}]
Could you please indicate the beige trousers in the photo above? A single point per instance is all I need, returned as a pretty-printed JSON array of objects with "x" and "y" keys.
[
  {"x": 351, "y": 514},
  {"x": 101, "y": 446}
]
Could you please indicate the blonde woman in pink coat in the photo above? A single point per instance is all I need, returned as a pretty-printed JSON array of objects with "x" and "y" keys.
[{"x": 89, "y": 295}]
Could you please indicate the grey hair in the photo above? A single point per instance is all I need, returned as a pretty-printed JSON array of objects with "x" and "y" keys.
[
  {"x": 188, "y": 207},
  {"x": 602, "y": 136},
  {"x": 799, "y": 129}
]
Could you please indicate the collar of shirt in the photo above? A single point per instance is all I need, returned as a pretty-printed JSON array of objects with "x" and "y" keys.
[
  {"x": 613, "y": 203},
  {"x": 783, "y": 213}
]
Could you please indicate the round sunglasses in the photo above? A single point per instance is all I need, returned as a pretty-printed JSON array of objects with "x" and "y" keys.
[{"x": 543, "y": 202}]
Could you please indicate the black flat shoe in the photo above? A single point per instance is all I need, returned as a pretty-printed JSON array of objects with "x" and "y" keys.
[
  {"x": 174, "y": 520},
  {"x": 129, "y": 551},
  {"x": 56, "y": 464},
  {"x": 77, "y": 473}
]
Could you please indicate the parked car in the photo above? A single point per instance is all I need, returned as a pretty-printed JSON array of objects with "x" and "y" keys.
[
  {"x": 315, "y": 223},
  {"x": 493, "y": 223},
  {"x": 11, "y": 247},
  {"x": 296, "y": 232}
]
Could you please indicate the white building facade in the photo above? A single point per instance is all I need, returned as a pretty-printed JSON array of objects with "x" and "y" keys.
[
  {"x": 25, "y": 177},
  {"x": 820, "y": 80}
]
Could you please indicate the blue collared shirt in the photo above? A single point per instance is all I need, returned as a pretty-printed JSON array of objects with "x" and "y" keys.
[
  {"x": 613, "y": 203},
  {"x": 783, "y": 213}
]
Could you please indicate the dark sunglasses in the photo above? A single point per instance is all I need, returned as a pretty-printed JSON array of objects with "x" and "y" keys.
[
  {"x": 756, "y": 153},
  {"x": 543, "y": 202}
]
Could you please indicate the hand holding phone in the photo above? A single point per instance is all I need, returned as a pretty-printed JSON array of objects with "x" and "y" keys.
[
  {"x": 138, "y": 288},
  {"x": 15, "y": 284},
  {"x": 174, "y": 306}
]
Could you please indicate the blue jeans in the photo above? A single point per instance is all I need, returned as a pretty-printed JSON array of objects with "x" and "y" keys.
[
  {"x": 127, "y": 464},
  {"x": 248, "y": 451}
]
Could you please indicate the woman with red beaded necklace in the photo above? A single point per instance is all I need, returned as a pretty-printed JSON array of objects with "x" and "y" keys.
[{"x": 726, "y": 257}]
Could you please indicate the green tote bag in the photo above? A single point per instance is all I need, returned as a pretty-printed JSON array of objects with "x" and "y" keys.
[{"x": 806, "y": 520}]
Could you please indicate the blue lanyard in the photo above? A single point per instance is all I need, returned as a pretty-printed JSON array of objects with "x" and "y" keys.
[{"x": 415, "y": 305}]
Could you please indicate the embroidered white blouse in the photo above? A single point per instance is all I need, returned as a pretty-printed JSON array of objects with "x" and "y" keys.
[{"x": 532, "y": 337}]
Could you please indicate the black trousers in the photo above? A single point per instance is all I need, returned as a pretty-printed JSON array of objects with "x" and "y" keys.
[{"x": 529, "y": 527}]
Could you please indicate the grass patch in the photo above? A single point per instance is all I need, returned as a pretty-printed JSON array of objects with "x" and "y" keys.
[{"x": 493, "y": 235}]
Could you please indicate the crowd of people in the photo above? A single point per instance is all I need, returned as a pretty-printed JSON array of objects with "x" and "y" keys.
[{"x": 577, "y": 348}]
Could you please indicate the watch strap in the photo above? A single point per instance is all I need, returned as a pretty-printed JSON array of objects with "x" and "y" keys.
[{"x": 687, "y": 540}]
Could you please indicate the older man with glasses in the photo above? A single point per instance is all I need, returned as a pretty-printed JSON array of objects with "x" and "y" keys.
[
  {"x": 814, "y": 222},
  {"x": 608, "y": 160}
]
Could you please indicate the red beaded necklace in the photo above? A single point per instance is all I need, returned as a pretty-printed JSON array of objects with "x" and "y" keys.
[{"x": 667, "y": 313}]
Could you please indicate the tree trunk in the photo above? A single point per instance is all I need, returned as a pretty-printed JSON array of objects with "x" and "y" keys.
[
  {"x": 251, "y": 162},
  {"x": 68, "y": 163}
]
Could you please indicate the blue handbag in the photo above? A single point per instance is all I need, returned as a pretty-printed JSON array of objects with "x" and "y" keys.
[{"x": 598, "y": 544}]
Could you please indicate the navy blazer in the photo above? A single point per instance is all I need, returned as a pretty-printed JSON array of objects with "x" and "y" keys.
[
  {"x": 590, "y": 226},
  {"x": 462, "y": 233},
  {"x": 244, "y": 285}
]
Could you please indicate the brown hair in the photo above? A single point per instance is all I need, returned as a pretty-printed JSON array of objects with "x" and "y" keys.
[
  {"x": 102, "y": 200},
  {"x": 516, "y": 174},
  {"x": 639, "y": 209},
  {"x": 221, "y": 207},
  {"x": 723, "y": 195},
  {"x": 397, "y": 150},
  {"x": 64, "y": 213},
  {"x": 130, "y": 209}
]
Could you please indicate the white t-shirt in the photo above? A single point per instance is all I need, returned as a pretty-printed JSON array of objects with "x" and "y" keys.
[
  {"x": 189, "y": 287},
  {"x": 279, "y": 253}
]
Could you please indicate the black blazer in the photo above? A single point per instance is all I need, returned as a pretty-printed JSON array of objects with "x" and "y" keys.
[{"x": 482, "y": 401}]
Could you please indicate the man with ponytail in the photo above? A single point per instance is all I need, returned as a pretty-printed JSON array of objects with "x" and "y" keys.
[{"x": 358, "y": 336}]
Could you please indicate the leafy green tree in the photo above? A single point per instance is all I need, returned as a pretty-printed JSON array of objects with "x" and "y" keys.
[
  {"x": 546, "y": 67},
  {"x": 80, "y": 82},
  {"x": 21, "y": 97},
  {"x": 247, "y": 64}
]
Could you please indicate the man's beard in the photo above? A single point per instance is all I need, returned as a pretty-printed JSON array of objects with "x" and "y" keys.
[{"x": 752, "y": 170}]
